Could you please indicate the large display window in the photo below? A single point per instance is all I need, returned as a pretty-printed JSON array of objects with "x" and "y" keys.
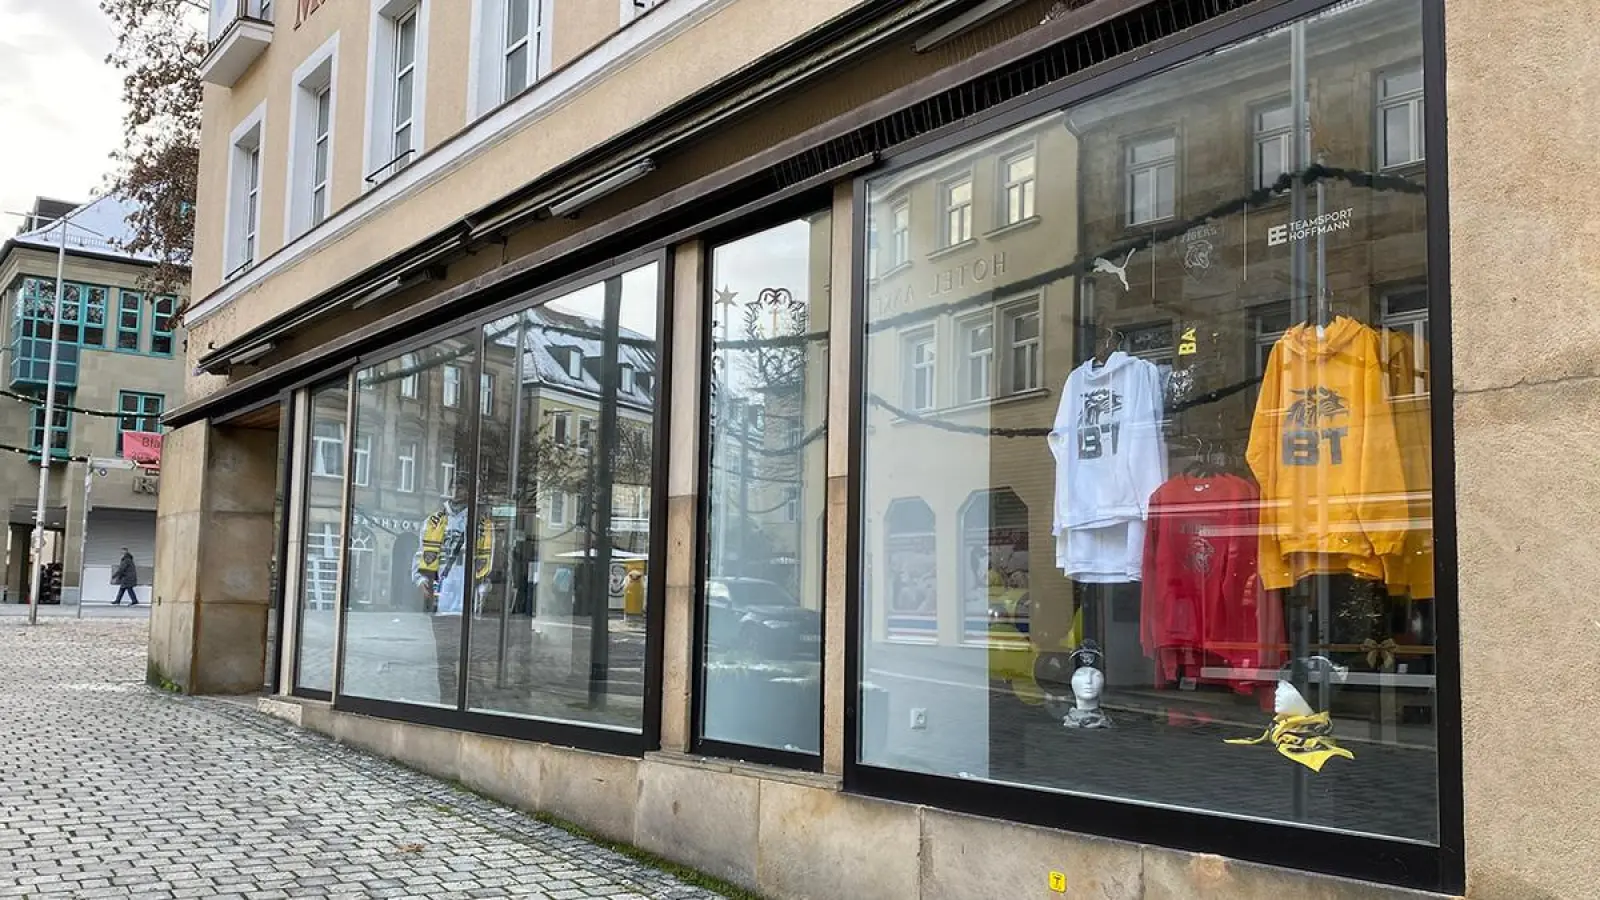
[
  {"x": 760, "y": 638},
  {"x": 499, "y": 540},
  {"x": 321, "y": 538},
  {"x": 1147, "y": 463}
]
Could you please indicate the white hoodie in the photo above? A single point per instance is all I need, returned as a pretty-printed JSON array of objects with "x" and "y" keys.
[{"x": 1110, "y": 457}]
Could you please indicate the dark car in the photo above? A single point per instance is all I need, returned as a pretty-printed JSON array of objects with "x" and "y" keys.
[{"x": 760, "y": 618}]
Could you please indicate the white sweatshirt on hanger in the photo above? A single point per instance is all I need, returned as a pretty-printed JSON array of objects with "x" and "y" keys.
[{"x": 1110, "y": 457}]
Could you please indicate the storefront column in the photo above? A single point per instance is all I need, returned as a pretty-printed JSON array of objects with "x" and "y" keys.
[
  {"x": 842, "y": 405},
  {"x": 214, "y": 540},
  {"x": 684, "y": 305},
  {"x": 1527, "y": 395}
]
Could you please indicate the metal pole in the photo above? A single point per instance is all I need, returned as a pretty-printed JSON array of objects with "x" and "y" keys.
[
  {"x": 47, "y": 444},
  {"x": 83, "y": 533}
]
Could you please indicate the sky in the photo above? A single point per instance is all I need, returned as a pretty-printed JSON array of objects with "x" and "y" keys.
[{"x": 60, "y": 103}]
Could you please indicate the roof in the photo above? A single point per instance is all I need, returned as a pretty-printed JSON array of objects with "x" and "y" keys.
[
  {"x": 548, "y": 340},
  {"x": 102, "y": 229}
]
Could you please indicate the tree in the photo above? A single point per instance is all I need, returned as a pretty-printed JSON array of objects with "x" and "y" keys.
[{"x": 160, "y": 45}]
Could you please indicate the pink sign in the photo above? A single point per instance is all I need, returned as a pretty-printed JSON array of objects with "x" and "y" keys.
[{"x": 142, "y": 447}]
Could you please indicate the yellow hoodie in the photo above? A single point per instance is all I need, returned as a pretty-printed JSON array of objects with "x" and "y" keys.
[{"x": 1323, "y": 448}]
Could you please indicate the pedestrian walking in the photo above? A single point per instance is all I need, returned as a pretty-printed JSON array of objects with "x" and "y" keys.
[{"x": 126, "y": 578}]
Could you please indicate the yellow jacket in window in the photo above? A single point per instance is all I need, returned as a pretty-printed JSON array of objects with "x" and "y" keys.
[{"x": 440, "y": 552}]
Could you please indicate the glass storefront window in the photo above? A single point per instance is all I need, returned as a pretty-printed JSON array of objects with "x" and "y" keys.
[
  {"x": 566, "y": 466},
  {"x": 320, "y": 539},
  {"x": 1147, "y": 484},
  {"x": 761, "y": 605},
  {"x": 410, "y": 545}
]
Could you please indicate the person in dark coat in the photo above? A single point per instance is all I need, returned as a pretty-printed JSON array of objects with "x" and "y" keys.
[{"x": 126, "y": 577}]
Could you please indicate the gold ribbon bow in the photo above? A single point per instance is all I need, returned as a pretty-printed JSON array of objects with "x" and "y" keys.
[
  {"x": 1379, "y": 651},
  {"x": 1308, "y": 740}
]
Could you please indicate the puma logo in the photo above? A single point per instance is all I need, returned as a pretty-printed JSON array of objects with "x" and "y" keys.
[{"x": 1107, "y": 267}]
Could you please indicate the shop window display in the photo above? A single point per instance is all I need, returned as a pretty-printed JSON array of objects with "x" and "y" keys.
[
  {"x": 320, "y": 539},
  {"x": 761, "y": 607},
  {"x": 1194, "y": 567}
]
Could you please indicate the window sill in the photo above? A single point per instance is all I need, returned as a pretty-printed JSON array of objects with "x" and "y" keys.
[
  {"x": 1019, "y": 225},
  {"x": 891, "y": 272},
  {"x": 1407, "y": 170},
  {"x": 1141, "y": 227},
  {"x": 942, "y": 252}
]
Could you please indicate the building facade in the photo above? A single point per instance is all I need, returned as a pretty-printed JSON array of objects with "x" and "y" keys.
[
  {"x": 119, "y": 368},
  {"x": 906, "y": 449}
]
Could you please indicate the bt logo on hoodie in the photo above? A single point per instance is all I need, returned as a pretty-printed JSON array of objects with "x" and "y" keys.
[
  {"x": 1094, "y": 432},
  {"x": 1313, "y": 408}
]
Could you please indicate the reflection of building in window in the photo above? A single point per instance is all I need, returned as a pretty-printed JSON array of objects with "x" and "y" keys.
[
  {"x": 1405, "y": 312},
  {"x": 406, "y": 476},
  {"x": 322, "y": 565},
  {"x": 1154, "y": 343},
  {"x": 1152, "y": 176},
  {"x": 994, "y": 565},
  {"x": 363, "y": 461},
  {"x": 920, "y": 375},
  {"x": 900, "y": 234},
  {"x": 452, "y": 386},
  {"x": 1271, "y": 321},
  {"x": 957, "y": 195},
  {"x": 486, "y": 393},
  {"x": 1274, "y": 132},
  {"x": 558, "y": 509},
  {"x": 361, "y": 563},
  {"x": 1023, "y": 343},
  {"x": 1017, "y": 369},
  {"x": 977, "y": 357},
  {"x": 1400, "y": 108},
  {"x": 1017, "y": 176},
  {"x": 910, "y": 571},
  {"x": 409, "y": 384},
  {"x": 327, "y": 449}
]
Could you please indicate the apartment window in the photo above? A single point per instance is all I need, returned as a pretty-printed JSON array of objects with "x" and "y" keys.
[
  {"x": 585, "y": 433},
  {"x": 363, "y": 461},
  {"x": 161, "y": 326},
  {"x": 1400, "y": 110},
  {"x": 558, "y": 509},
  {"x": 977, "y": 358},
  {"x": 61, "y": 427},
  {"x": 406, "y": 468},
  {"x": 1152, "y": 174},
  {"x": 485, "y": 393},
  {"x": 920, "y": 359},
  {"x": 625, "y": 382},
  {"x": 327, "y": 449},
  {"x": 957, "y": 206},
  {"x": 94, "y": 299},
  {"x": 1017, "y": 174},
  {"x": 411, "y": 381},
  {"x": 1020, "y": 324},
  {"x": 560, "y": 422},
  {"x": 321, "y": 145},
  {"x": 575, "y": 364},
  {"x": 452, "y": 386},
  {"x": 447, "y": 474},
  {"x": 130, "y": 316},
  {"x": 140, "y": 413},
  {"x": 1405, "y": 341},
  {"x": 243, "y": 226},
  {"x": 520, "y": 49},
  {"x": 900, "y": 234},
  {"x": 1274, "y": 148},
  {"x": 397, "y": 87},
  {"x": 312, "y": 148}
]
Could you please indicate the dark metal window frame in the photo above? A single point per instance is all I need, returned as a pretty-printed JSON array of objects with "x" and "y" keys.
[
  {"x": 772, "y": 215},
  {"x": 510, "y": 725},
  {"x": 1394, "y": 861},
  {"x": 302, "y": 492}
]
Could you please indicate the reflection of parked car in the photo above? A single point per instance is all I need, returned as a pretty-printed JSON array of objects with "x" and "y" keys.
[{"x": 761, "y": 618}]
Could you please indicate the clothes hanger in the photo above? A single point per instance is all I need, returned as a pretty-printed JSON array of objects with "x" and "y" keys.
[{"x": 1109, "y": 340}]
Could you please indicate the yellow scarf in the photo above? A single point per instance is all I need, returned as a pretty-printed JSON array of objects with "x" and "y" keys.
[{"x": 1308, "y": 740}]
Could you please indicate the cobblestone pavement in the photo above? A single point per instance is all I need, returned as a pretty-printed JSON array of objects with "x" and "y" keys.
[{"x": 110, "y": 788}]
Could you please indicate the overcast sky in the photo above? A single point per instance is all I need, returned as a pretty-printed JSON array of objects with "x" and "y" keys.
[{"x": 60, "y": 103}]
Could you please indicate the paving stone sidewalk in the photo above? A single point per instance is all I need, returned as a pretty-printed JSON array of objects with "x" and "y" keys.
[{"x": 110, "y": 788}]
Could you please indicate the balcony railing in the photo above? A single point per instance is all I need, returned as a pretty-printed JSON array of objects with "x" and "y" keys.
[{"x": 241, "y": 30}]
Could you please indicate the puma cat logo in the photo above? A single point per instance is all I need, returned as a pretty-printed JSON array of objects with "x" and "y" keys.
[{"x": 1107, "y": 267}]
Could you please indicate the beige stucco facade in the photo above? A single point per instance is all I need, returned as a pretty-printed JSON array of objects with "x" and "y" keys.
[{"x": 1523, "y": 356}]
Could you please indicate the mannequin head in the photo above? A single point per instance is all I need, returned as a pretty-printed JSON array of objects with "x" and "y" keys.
[{"x": 1087, "y": 685}]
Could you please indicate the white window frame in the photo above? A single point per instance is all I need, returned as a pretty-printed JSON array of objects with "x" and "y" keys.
[
  {"x": 560, "y": 427},
  {"x": 406, "y": 468},
  {"x": 362, "y": 464},
  {"x": 914, "y": 369},
  {"x": 558, "y": 519},
  {"x": 326, "y": 449},
  {"x": 384, "y": 118},
  {"x": 1263, "y": 137},
  {"x": 485, "y": 393},
  {"x": 450, "y": 390},
  {"x": 1005, "y": 333},
  {"x": 411, "y": 383},
  {"x": 625, "y": 382},
  {"x": 586, "y": 433},
  {"x": 575, "y": 364},
  {"x": 242, "y": 245},
  {"x": 1133, "y": 172},
  {"x": 322, "y": 564},
  {"x": 1413, "y": 102},
  {"x": 318, "y": 73},
  {"x": 486, "y": 63},
  {"x": 955, "y": 219},
  {"x": 900, "y": 233},
  {"x": 447, "y": 472},
  {"x": 976, "y": 363},
  {"x": 1026, "y": 189}
]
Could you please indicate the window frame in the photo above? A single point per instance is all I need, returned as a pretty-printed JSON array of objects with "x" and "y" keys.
[
  {"x": 951, "y": 232},
  {"x": 1027, "y": 188},
  {"x": 242, "y": 230},
  {"x": 147, "y": 413},
  {"x": 1413, "y": 101},
  {"x": 161, "y": 327},
  {"x": 1132, "y": 170},
  {"x": 388, "y": 78},
  {"x": 137, "y": 330},
  {"x": 911, "y": 369},
  {"x": 1260, "y": 136},
  {"x": 308, "y": 200},
  {"x": 61, "y": 428}
]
